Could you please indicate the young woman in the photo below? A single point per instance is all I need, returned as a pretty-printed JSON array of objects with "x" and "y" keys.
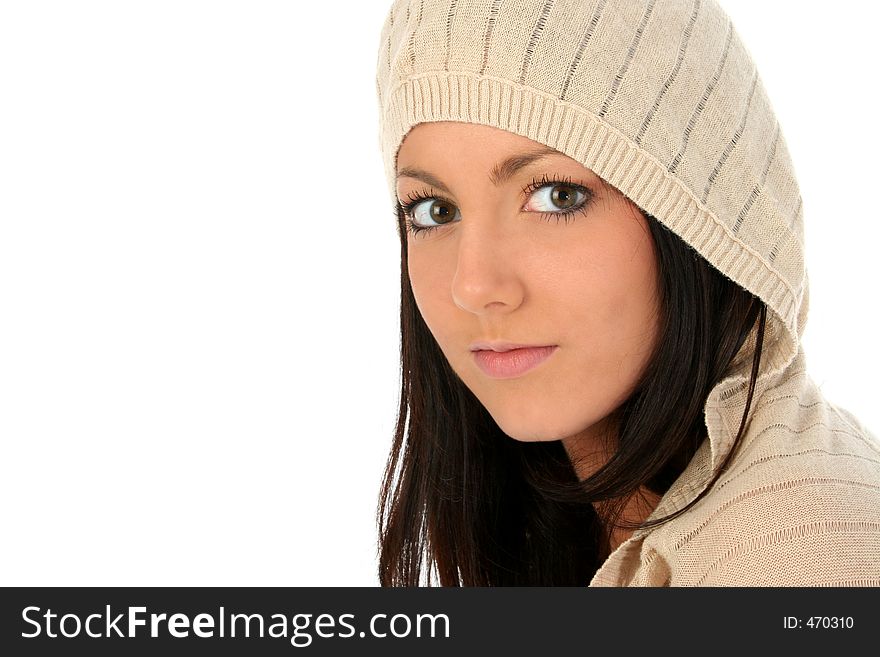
[{"x": 603, "y": 293}]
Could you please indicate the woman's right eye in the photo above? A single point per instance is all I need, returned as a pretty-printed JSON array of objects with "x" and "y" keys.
[
  {"x": 433, "y": 212},
  {"x": 428, "y": 212}
]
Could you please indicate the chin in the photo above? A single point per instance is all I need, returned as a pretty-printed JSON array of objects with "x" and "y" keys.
[
  {"x": 547, "y": 424},
  {"x": 531, "y": 431},
  {"x": 531, "y": 436}
]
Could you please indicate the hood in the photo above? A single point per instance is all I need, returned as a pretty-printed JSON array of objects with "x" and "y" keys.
[{"x": 660, "y": 98}]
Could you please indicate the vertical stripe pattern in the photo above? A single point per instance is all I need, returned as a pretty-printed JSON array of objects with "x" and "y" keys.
[
  {"x": 615, "y": 85},
  {"x": 686, "y": 37},
  {"x": 575, "y": 63},
  {"x": 733, "y": 141},
  {"x": 412, "y": 39},
  {"x": 702, "y": 104},
  {"x": 490, "y": 27},
  {"x": 388, "y": 47},
  {"x": 795, "y": 217},
  {"x": 449, "y": 18},
  {"x": 756, "y": 190},
  {"x": 533, "y": 42}
]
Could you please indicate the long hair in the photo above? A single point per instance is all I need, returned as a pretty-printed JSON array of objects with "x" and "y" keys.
[{"x": 466, "y": 504}]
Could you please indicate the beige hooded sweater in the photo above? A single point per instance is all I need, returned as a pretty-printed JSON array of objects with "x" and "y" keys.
[{"x": 662, "y": 100}]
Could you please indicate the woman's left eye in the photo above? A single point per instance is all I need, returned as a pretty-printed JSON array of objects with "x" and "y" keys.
[{"x": 556, "y": 197}]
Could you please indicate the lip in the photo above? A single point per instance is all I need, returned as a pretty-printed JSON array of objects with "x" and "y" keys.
[
  {"x": 502, "y": 346},
  {"x": 510, "y": 361}
]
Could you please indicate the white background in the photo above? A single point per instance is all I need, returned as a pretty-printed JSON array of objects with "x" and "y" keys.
[{"x": 199, "y": 277}]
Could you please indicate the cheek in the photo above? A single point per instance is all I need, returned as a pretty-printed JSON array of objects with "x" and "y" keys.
[
  {"x": 430, "y": 287},
  {"x": 626, "y": 293},
  {"x": 625, "y": 310},
  {"x": 606, "y": 285}
]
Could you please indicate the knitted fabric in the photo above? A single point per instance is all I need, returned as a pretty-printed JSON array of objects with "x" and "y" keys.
[{"x": 662, "y": 100}]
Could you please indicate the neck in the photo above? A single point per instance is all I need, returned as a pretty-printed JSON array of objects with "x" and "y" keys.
[{"x": 589, "y": 451}]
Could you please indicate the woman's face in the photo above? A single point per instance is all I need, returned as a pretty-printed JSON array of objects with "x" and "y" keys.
[{"x": 503, "y": 265}]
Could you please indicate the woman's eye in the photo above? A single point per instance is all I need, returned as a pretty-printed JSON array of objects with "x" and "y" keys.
[
  {"x": 557, "y": 197},
  {"x": 433, "y": 212}
]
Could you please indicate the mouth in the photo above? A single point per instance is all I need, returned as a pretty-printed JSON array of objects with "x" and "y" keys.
[
  {"x": 511, "y": 361},
  {"x": 503, "y": 346}
]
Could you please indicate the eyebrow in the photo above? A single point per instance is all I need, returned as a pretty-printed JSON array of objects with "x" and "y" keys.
[{"x": 500, "y": 173}]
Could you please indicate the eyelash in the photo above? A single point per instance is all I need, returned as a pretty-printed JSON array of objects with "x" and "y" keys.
[{"x": 415, "y": 198}]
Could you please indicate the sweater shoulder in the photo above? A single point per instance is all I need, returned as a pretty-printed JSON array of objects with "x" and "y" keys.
[{"x": 798, "y": 506}]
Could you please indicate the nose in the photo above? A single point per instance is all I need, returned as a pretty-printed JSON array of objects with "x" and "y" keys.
[{"x": 487, "y": 279}]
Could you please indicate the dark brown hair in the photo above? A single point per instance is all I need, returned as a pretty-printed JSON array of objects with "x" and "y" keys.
[{"x": 466, "y": 504}]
